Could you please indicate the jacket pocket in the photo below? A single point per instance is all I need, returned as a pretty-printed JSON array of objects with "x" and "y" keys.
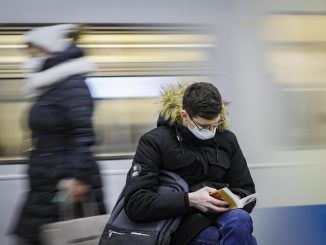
[
  {"x": 219, "y": 159},
  {"x": 113, "y": 235},
  {"x": 189, "y": 165},
  {"x": 219, "y": 163},
  {"x": 176, "y": 159}
]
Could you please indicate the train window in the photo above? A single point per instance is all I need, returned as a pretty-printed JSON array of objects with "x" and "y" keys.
[
  {"x": 133, "y": 62},
  {"x": 295, "y": 60}
]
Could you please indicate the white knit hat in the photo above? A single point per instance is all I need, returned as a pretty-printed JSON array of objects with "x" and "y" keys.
[{"x": 52, "y": 39}]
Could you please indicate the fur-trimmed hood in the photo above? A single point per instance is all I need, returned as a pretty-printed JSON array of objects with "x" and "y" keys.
[{"x": 171, "y": 107}]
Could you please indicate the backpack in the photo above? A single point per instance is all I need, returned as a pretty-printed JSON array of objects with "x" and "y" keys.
[{"x": 121, "y": 230}]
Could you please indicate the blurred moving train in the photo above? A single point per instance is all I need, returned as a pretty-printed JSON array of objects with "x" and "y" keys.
[{"x": 268, "y": 58}]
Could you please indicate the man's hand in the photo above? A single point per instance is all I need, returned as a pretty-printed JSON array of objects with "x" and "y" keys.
[{"x": 203, "y": 201}]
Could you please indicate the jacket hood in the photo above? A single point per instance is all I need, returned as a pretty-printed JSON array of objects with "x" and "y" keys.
[{"x": 171, "y": 107}]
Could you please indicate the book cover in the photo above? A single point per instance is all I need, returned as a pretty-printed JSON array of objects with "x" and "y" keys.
[{"x": 234, "y": 201}]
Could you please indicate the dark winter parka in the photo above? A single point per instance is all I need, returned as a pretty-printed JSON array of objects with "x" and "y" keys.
[
  {"x": 216, "y": 163},
  {"x": 62, "y": 133}
]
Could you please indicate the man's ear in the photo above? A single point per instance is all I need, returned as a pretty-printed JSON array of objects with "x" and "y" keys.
[{"x": 184, "y": 114}]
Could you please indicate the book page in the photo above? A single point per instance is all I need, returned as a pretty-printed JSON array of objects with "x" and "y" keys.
[{"x": 248, "y": 199}]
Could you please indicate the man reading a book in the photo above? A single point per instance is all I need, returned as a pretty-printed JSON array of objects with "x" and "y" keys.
[{"x": 192, "y": 139}]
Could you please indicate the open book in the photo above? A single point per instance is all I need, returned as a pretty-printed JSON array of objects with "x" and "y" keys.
[{"x": 234, "y": 200}]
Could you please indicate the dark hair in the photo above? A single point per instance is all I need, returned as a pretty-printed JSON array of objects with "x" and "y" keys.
[
  {"x": 75, "y": 35},
  {"x": 203, "y": 100}
]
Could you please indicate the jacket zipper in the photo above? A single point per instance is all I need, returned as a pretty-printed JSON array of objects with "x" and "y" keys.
[
  {"x": 115, "y": 232},
  {"x": 139, "y": 234}
]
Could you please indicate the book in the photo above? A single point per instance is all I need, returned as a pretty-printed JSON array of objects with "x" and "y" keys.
[{"x": 234, "y": 201}]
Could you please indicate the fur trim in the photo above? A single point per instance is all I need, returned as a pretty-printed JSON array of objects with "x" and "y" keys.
[
  {"x": 38, "y": 83},
  {"x": 171, "y": 106}
]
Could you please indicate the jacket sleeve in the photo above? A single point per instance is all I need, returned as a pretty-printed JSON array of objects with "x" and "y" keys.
[
  {"x": 142, "y": 201},
  {"x": 78, "y": 109},
  {"x": 238, "y": 176}
]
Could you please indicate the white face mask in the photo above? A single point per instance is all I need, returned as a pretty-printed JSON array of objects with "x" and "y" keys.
[
  {"x": 203, "y": 134},
  {"x": 34, "y": 64}
]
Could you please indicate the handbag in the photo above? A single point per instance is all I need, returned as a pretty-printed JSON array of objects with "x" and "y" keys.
[{"x": 79, "y": 231}]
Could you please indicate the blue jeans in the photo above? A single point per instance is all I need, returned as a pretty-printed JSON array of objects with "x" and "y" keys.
[{"x": 233, "y": 227}]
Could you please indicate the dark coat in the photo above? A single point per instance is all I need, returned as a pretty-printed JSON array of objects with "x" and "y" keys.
[
  {"x": 62, "y": 132},
  {"x": 217, "y": 163}
]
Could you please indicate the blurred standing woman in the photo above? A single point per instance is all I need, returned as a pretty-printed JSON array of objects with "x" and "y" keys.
[{"x": 61, "y": 124}]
